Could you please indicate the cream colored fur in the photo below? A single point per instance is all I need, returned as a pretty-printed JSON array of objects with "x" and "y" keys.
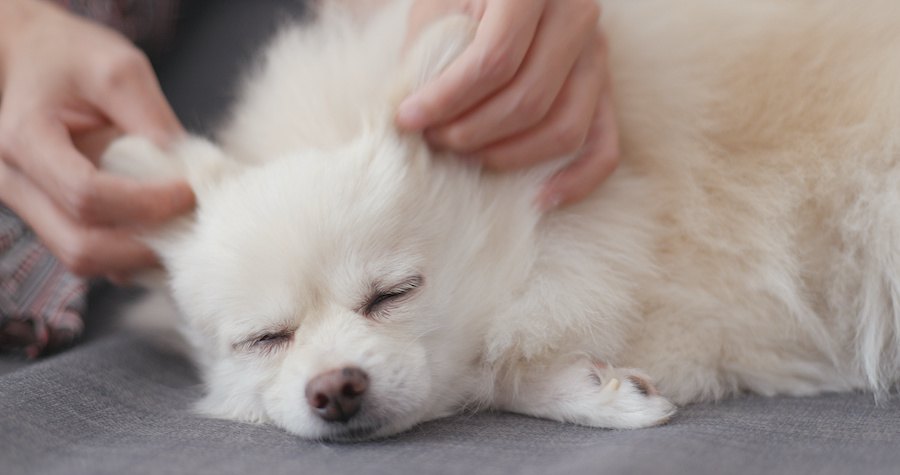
[{"x": 749, "y": 241}]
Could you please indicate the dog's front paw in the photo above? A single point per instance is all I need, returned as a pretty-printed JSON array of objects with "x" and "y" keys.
[
  {"x": 585, "y": 392},
  {"x": 625, "y": 399}
]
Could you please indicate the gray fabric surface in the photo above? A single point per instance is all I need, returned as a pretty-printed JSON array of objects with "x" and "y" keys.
[{"x": 121, "y": 403}]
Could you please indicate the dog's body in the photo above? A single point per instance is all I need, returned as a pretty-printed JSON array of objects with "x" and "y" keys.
[{"x": 749, "y": 241}]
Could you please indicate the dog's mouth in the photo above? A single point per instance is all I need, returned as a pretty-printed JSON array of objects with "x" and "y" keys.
[
  {"x": 368, "y": 429},
  {"x": 364, "y": 426},
  {"x": 355, "y": 434}
]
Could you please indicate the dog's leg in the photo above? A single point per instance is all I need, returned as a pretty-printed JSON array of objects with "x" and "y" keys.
[{"x": 583, "y": 391}]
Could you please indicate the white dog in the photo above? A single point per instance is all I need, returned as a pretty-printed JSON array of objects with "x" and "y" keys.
[{"x": 341, "y": 280}]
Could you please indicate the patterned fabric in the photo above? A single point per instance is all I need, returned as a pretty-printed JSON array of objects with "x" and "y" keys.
[{"x": 41, "y": 303}]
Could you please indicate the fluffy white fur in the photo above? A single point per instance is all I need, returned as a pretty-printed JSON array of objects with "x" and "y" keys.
[{"x": 750, "y": 239}]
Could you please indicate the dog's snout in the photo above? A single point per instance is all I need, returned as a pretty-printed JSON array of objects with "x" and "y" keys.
[{"x": 337, "y": 395}]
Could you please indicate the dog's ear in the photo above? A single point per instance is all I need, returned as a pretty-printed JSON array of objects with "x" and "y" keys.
[
  {"x": 434, "y": 49},
  {"x": 201, "y": 163},
  {"x": 194, "y": 159}
]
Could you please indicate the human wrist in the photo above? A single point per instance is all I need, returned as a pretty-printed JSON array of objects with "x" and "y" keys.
[{"x": 14, "y": 15}]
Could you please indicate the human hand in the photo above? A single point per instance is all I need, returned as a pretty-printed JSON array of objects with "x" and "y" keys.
[
  {"x": 532, "y": 86},
  {"x": 69, "y": 86}
]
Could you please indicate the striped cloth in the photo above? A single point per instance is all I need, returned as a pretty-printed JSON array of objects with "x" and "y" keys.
[{"x": 41, "y": 303}]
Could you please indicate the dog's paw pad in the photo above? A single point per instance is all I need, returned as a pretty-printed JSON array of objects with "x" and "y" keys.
[{"x": 642, "y": 385}]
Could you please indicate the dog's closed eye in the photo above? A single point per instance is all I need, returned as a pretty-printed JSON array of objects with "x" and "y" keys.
[
  {"x": 381, "y": 300},
  {"x": 274, "y": 338},
  {"x": 266, "y": 343}
]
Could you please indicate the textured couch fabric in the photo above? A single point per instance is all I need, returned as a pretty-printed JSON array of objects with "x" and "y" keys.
[{"x": 120, "y": 402}]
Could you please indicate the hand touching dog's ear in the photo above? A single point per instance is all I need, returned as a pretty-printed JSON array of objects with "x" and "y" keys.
[
  {"x": 532, "y": 87},
  {"x": 432, "y": 51},
  {"x": 201, "y": 163}
]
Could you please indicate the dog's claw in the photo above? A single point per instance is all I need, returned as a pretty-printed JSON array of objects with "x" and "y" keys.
[{"x": 613, "y": 384}]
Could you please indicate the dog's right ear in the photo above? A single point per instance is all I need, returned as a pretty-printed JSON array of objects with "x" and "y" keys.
[{"x": 201, "y": 163}]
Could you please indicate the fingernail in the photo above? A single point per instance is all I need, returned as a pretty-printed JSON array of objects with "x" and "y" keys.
[
  {"x": 184, "y": 198},
  {"x": 411, "y": 116},
  {"x": 550, "y": 202}
]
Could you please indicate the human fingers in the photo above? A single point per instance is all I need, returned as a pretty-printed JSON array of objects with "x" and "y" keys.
[
  {"x": 566, "y": 33},
  {"x": 92, "y": 143},
  {"x": 504, "y": 34},
  {"x": 125, "y": 88},
  {"x": 85, "y": 251},
  {"x": 566, "y": 126},
  {"x": 43, "y": 151},
  {"x": 596, "y": 162}
]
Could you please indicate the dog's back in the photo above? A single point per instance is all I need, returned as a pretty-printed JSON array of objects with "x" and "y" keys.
[{"x": 769, "y": 132}]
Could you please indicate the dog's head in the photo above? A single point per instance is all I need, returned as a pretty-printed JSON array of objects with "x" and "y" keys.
[{"x": 319, "y": 288}]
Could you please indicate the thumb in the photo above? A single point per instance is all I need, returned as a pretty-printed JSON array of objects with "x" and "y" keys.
[{"x": 136, "y": 105}]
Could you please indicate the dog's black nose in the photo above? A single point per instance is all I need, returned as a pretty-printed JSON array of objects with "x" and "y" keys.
[{"x": 336, "y": 395}]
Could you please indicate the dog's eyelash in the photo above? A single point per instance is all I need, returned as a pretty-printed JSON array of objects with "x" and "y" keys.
[
  {"x": 380, "y": 298},
  {"x": 268, "y": 342}
]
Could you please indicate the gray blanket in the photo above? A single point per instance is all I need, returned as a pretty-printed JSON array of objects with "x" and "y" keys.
[{"x": 121, "y": 403}]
